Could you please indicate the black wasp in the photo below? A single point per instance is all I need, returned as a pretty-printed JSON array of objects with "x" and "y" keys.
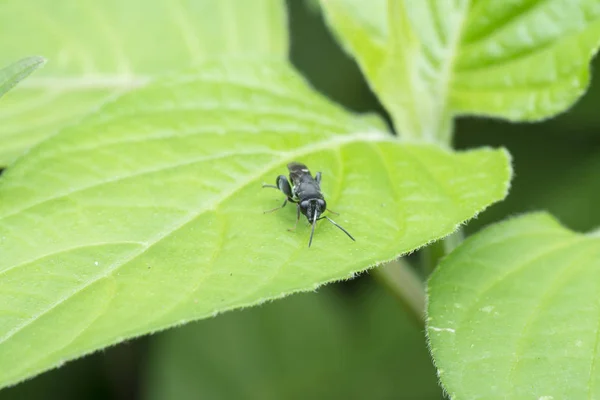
[{"x": 305, "y": 192}]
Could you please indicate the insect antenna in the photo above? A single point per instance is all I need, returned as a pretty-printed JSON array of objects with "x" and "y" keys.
[
  {"x": 312, "y": 231},
  {"x": 343, "y": 230}
]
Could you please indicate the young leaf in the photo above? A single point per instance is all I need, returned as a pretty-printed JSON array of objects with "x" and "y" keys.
[
  {"x": 430, "y": 60},
  {"x": 514, "y": 313},
  {"x": 16, "y": 72},
  {"x": 99, "y": 49},
  {"x": 149, "y": 213}
]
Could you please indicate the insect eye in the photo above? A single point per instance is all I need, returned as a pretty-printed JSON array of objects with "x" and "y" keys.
[
  {"x": 304, "y": 204},
  {"x": 322, "y": 205}
]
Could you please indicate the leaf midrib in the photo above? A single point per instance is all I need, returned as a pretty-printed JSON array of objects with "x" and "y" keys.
[{"x": 341, "y": 139}]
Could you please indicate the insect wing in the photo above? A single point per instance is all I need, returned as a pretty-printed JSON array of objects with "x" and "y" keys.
[{"x": 297, "y": 172}]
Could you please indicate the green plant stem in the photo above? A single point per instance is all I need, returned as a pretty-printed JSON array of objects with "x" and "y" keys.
[
  {"x": 452, "y": 241},
  {"x": 399, "y": 277},
  {"x": 431, "y": 255}
]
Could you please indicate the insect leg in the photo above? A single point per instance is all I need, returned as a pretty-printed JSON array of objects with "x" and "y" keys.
[
  {"x": 318, "y": 177},
  {"x": 284, "y": 185},
  {"x": 277, "y": 208},
  {"x": 333, "y": 212},
  {"x": 297, "y": 218}
]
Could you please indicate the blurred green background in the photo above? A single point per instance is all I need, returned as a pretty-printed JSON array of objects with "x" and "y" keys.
[{"x": 350, "y": 340}]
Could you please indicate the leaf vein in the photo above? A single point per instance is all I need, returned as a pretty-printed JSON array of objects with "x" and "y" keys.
[
  {"x": 65, "y": 250},
  {"x": 134, "y": 175}
]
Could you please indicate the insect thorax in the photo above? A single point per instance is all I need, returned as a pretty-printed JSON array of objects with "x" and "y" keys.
[{"x": 307, "y": 190}]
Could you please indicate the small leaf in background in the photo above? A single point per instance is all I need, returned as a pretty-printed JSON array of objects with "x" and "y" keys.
[
  {"x": 16, "y": 72},
  {"x": 428, "y": 61},
  {"x": 97, "y": 50},
  {"x": 514, "y": 313},
  {"x": 358, "y": 344},
  {"x": 149, "y": 213},
  {"x": 571, "y": 161}
]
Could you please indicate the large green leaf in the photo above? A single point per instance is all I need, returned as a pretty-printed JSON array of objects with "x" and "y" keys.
[
  {"x": 514, "y": 312},
  {"x": 149, "y": 213},
  {"x": 317, "y": 346},
  {"x": 430, "y": 60},
  {"x": 97, "y": 49},
  {"x": 16, "y": 72}
]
